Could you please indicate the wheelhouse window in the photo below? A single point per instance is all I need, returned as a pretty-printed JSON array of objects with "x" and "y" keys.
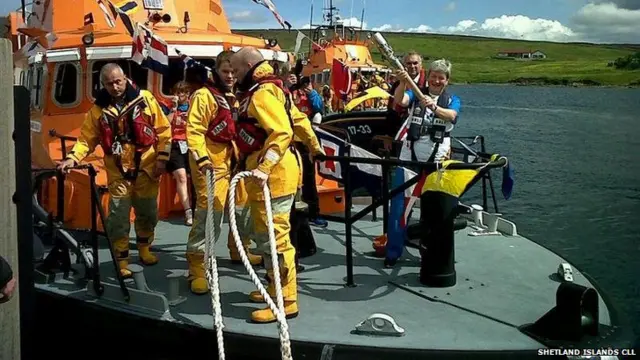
[
  {"x": 133, "y": 71},
  {"x": 36, "y": 85},
  {"x": 65, "y": 91},
  {"x": 178, "y": 72}
]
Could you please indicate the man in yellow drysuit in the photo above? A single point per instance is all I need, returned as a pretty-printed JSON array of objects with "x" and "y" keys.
[
  {"x": 135, "y": 135},
  {"x": 264, "y": 138},
  {"x": 210, "y": 134}
]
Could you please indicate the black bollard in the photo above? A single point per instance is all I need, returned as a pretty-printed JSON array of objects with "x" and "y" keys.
[
  {"x": 438, "y": 212},
  {"x": 301, "y": 235}
]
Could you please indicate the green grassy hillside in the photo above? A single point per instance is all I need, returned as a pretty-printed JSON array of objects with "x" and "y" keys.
[{"x": 473, "y": 61}]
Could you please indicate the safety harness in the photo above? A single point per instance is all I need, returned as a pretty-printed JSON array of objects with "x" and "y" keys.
[
  {"x": 250, "y": 136},
  {"x": 424, "y": 122},
  {"x": 136, "y": 130}
]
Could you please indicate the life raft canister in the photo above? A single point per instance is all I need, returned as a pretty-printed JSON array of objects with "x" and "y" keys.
[{"x": 222, "y": 128}]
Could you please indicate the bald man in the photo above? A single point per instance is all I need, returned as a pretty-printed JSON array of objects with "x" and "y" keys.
[
  {"x": 135, "y": 135},
  {"x": 264, "y": 139}
]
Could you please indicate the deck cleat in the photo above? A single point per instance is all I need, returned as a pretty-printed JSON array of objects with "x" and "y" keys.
[
  {"x": 175, "y": 278},
  {"x": 491, "y": 226},
  {"x": 379, "y": 324},
  {"x": 565, "y": 272},
  {"x": 139, "y": 280}
]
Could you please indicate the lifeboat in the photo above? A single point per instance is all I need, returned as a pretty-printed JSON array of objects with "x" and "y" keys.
[
  {"x": 62, "y": 72},
  {"x": 348, "y": 44}
]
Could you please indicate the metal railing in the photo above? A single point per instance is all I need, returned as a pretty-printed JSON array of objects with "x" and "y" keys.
[{"x": 349, "y": 219}]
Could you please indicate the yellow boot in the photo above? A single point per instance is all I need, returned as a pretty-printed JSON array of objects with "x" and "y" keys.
[
  {"x": 124, "y": 272},
  {"x": 256, "y": 296},
  {"x": 121, "y": 252},
  {"x": 197, "y": 276},
  {"x": 146, "y": 256},
  {"x": 265, "y": 316},
  {"x": 289, "y": 294},
  {"x": 235, "y": 255}
]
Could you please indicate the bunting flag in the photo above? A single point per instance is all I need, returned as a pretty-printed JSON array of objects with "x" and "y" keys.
[
  {"x": 40, "y": 16},
  {"x": 368, "y": 176},
  {"x": 301, "y": 36},
  {"x": 299, "y": 39},
  {"x": 190, "y": 62},
  {"x": 109, "y": 12},
  {"x": 124, "y": 16},
  {"x": 88, "y": 19},
  {"x": 340, "y": 79},
  {"x": 269, "y": 5},
  {"x": 38, "y": 36},
  {"x": 112, "y": 12},
  {"x": 128, "y": 7},
  {"x": 149, "y": 50}
]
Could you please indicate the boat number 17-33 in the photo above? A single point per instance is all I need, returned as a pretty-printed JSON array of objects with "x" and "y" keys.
[{"x": 359, "y": 129}]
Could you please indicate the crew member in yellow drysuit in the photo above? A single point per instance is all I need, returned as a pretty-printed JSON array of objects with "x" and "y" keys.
[
  {"x": 133, "y": 166},
  {"x": 210, "y": 135},
  {"x": 264, "y": 138}
]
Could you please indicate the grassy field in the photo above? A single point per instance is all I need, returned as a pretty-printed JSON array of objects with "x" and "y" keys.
[{"x": 473, "y": 62}]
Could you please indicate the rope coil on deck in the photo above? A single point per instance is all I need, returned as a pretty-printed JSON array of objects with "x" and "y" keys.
[
  {"x": 212, "y": 265},
  {"x": 278, "y": 311}
]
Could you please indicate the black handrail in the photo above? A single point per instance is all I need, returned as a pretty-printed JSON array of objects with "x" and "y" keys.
[
  {"x": 63, "y": 139},
  {"x": 349, "y": 219},
  {"x": 96, "y": 209}
]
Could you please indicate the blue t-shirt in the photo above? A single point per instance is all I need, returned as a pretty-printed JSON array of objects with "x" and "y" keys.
[{"x": 454, "y": 105}]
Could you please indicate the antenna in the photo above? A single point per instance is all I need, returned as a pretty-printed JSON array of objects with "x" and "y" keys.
[
  {"x": 362, "y": 17},
  {"x": 24, "y": 11},
  {"x": 310, "y": 28}
]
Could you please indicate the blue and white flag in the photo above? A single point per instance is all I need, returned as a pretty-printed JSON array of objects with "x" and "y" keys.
[{"x": 368, "y": 176}]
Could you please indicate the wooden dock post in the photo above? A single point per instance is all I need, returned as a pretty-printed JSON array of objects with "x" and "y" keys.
[{"x": 9, "y": 311}]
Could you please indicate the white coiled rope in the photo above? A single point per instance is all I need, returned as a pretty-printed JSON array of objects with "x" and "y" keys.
[
  {"x": 278, "y": 311},
  {"x": 212, "y": 265}
]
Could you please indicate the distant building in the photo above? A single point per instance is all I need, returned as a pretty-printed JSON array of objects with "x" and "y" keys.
[{"x": 521, "y": 54}]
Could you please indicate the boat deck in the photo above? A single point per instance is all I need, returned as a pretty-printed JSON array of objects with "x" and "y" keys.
[{"x": 503, "y": 282}]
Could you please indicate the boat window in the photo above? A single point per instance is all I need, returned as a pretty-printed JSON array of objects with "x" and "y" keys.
[
  {"x": 133, "y": 71},
  {"x": 177, "y": 73},
  {"x": 325, "y": 77},
  {"x": 36, "y": 86},
  {"x": 23, "y": 77},
  {"x": 66, "y": 84}
]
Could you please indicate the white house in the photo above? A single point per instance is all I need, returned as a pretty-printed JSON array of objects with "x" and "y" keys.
[{"x": 521, "y": 54}]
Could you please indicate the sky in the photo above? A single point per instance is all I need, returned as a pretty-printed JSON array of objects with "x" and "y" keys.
[{"x": 598, "y": 21}]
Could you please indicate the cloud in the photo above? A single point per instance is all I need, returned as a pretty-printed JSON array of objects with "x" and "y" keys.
[
  {"x": 607, "y": 22},
  {"x": 622, "y": 4},
  {"x": 450, "y": 6},
  {"x": 604, "y": 22},
  {"x": 246, "y": 16},
  {"x": 600, "y": 21},
  {"x": 505, "y": 26},
  {"x": 352, "y": 21}
]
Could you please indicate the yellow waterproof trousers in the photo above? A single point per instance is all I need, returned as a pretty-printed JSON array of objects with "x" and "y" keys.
[
  {"x": 220, "y": 155},
  {"x": 142, "y": 194},
  {"x": 242, "y": 222},
  {"x": 280, "y": 208}
]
